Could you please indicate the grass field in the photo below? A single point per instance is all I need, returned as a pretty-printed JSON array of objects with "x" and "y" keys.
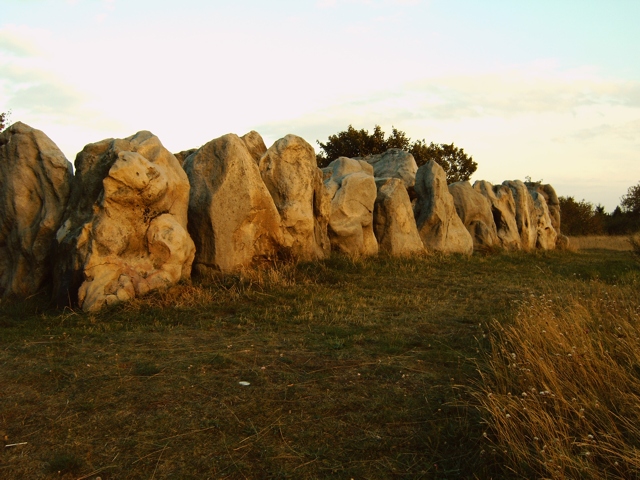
[
  {"x": 375, "y": 368},
  {"x": 603, "y": 242}
]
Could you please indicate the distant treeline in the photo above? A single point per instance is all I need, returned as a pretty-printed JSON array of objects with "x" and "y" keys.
[{"x": 584, "y": 218}]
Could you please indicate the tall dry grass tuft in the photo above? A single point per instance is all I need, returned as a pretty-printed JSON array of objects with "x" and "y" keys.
[
  {"x": 561, "y": 394},
  {"x": 634, "y": 241}
]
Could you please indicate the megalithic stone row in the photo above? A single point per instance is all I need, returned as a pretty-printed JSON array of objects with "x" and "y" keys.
[
  {"x": 35, "y": 181},
  {"x": 117, "y": 229}
]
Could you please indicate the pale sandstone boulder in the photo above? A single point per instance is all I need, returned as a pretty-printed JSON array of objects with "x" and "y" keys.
[
  {"x": 475, "y": 212},
  {"x": 525, "y": 213},
  {"x": 503, "y": 209},
  {"x": 393, "y": 222},
  {"x": 353, "y": 192},
  {"x": 290, "y": 173},
  {"x": 232, "y": 218},
  {"x": 255, "y": 144},
  {"x": 546, "y": 235},
  {"x": 553, "y": 203},
  {"x": 35, "y": 180},
  {"x": 125, "y": 228},
  {"x": 438, "y": 223},
  {"x": 394, "y": 163}
]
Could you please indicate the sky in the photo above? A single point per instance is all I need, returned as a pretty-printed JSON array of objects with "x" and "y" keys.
[{"x": 530, "y": 88}]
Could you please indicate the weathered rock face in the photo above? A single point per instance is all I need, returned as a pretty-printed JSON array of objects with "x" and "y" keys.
[
  {"x": 525, "y": 213},
  {"x": 35, "y": 180},
  {"x": 438, "y": 223},
  {"x": 352, "y": 190},
  {"x": 182, "y": 156},
  {"x": 553, "y": 204},
  {"x": 394, "y": 163},
  {"x": 124, "y": 232},
  {"x": 255, "y": 145},
  {"x": 232, "y": 218},
  {"x": 321, "y": 213},
  {"x": 290, "y": 173},
  {"x": 393, "y": 222},
  {"x": 475, "y": 212},
  {"x": 503, "y": 209},
  {"x": 546, "y": 235}
]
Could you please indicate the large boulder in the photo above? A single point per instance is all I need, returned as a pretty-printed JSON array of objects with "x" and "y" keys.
[
  {"x": 551, "y": 198},
  {"x": 232, "y": 218},
  {"x": 394, "y": 163},
  {"x": 525, "y": 213},
  {"x": 438, "y": 223},
  {"x": 35, "y": 180},
  {"x": 183, "y": 155},
  {"x": 503, "y": 209},
  {"x": 546, "y": 235},
  {"x": 393, "y": 222},
  {"x": 475, "y": 212},
  {"x": 353, "y": 192},
  {"x": 255, "y": 145},
  {"x": 125, "y": 228},
  {"x": 553, "y": 204},
  {"x": 290, "y": 173}
]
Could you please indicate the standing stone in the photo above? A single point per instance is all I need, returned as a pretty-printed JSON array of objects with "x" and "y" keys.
[
  {"x": 475, "y": 212},
  {"x": 525, "y": 213},
  {"x": 35, "y": 180},
  {"x": 182, "y": 156},
  {"x": 503, "y": 209},
  {"x": 393, "y": 222},
  {"x": 321, "y": 213},
  {"x": 438, "y": 223},
  {"x": 353, "y": 192},
  {"x": 394, "y": 163},
  {"x": 290, "y": 173},
  {"x": 255, "y": 145},
  {"x": 232, "y": 218},
  {"x": 124, "y": 232},
  {"x": 553, "y": 203},
  {"x": 546, "y": 235}
]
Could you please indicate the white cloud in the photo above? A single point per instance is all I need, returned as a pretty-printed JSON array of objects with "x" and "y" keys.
[{"x": 14, "y": 42}]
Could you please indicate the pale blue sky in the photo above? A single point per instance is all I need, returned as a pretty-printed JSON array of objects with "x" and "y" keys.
[{"x": 547, "y": 89}]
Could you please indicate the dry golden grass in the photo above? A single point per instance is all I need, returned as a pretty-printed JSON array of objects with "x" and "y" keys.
[
  {"x": 561, "y": 390},
  {"x": 357, "y": 368},
  {"x": 604, "y": 242}
]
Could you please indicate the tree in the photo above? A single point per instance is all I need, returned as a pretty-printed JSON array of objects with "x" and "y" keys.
[
  {"x": 4, "y": 120},
  {"x": 457, "y": 165},
  {"x": 359, "y": 143},
  {"x": 581, "y": 218},
  {"x": 630, "y": 202}
]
